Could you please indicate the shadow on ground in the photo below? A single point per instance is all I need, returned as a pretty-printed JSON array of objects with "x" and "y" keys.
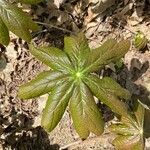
[{"x": 26, "y": 138}]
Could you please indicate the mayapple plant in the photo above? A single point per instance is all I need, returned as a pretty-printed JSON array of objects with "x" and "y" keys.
[
  {"x": 13, "y": 19},
  {"x": 71, "y": 82},
  {"x": 131, "y": 133},
  {"x": 140, "y": 40}
]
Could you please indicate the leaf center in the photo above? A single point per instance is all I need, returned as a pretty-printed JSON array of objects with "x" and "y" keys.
[
  {"x": 141, "y": 131},
  {"x": 78, "y": 74}
]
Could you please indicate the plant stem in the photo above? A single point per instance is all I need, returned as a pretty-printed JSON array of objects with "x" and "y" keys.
[{"x": 52, "y": 26}]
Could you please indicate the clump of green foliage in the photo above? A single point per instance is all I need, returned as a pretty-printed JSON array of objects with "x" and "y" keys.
[
  {"x": 140, "y": 40},
  {"x": 15, "y": 20},
  {"x": 71, "y": 82},
  {"x": 132, "y": 131}
]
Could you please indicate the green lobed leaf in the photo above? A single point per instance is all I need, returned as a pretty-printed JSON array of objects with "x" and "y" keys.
[
  {"x": 140, "y": 113},
  {"x": 77, "y": 86},
  {"x": 130, "y": 132},
  {"x": 140, "y": 41},
  {"x": 96, "y": 54},
  {"x": 111, "y": 86},
  {"x": 16, "y": 20},
  {"x": 4, "y": 33},
  {"x": 103, "y": 93},
  {"x": 77, "y": 49},
  {"x": 85, "y": 114},
  {"x": 42, "y": 84},
  {"x": 131, "y": 122},
  {"x": 53, "y": 57},
  {"x": 128, "y": 143},
  {"x": 122, "y": 129},
  {"x": 107, "y": 53},
  {"x": 56, "y": 105}
]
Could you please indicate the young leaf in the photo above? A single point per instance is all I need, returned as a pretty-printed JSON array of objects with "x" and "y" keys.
[
  {"x": 102, "y": 91},
  {"x": 96, "y": 54},
  {"x": 56, "y": 105},
  {"x": 139, "y": 114},
  {"x": 4, "y": 34},
  {"x": 84, "y": 111},
  {"x": 53, "y": 57},
  {"x": 71, "y": 64},
  {"x": 113, "y": 87},
  {"x": 122, "y": 129},
  {"x": 130, "y": 132},
  {"x": 77, "y": 49},
  {"x": 140, "y": 41},
  {"x": 42, "y": 84},
  {"x": 16, "y": 21},
  {"x": 128, "y": 143},
  {"x": 111, "y": 52}
]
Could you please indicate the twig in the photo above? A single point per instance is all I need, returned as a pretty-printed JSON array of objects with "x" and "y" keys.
[
  {"x": 39, "y": 32},
  {"x": 70, "y": 145},
  {"x": 119, "y": 25},
  {"x": 77, "y": 143},
  {"x": 52, "y": 26}
]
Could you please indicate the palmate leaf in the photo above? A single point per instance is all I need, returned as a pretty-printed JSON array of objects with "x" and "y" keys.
[
  {"x": 71, "y": 83},
  {"x": 130, "y": 132},
  {"x": 85, "y": 114},
  {"x": 128, "y": 143},
  {"x": 16, "y": 21}
]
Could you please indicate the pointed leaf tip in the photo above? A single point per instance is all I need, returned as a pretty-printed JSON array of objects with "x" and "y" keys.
[
  {"x": 4, "y": 33},
  {"x": 84, "y": 111},
  {"x": 55, "y": 58},
  {"x": 77, "y": 49},
  {"x": 42, "y": 84},
  {"x": 56, "y": 105},
  {"x": 109, "y": 51},
  {"x": 16, "y": 21},
  {"x": 107, "y": 94}
]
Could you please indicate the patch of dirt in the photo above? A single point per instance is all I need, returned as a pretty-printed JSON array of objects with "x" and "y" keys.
[{"x": 16, "y": 116}]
